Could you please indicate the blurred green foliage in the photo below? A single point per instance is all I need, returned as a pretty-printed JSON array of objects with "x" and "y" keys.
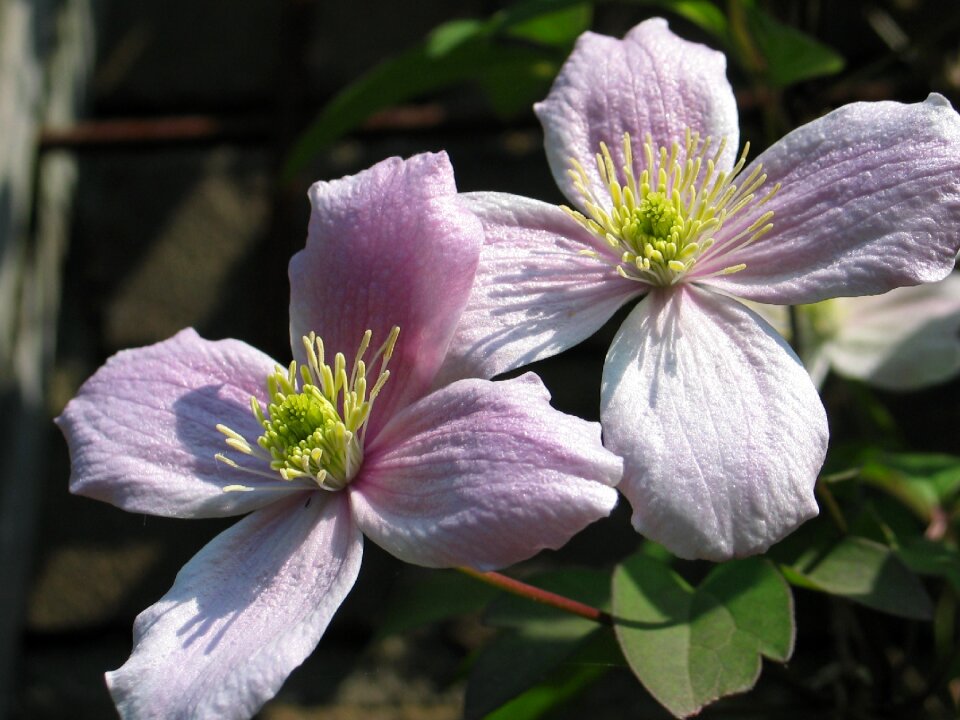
[{"x": 514, "y": 55}]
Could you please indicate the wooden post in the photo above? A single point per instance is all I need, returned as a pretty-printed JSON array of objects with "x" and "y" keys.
[{"x": 45, "y": 54}]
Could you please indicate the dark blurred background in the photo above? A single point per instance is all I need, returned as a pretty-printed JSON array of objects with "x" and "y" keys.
[{"x": 142, "y": 144}]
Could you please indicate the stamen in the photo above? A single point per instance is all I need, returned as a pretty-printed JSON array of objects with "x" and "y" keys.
[
  {"x": 664, "y": 222},
  {"x": 314, "y": 426}
]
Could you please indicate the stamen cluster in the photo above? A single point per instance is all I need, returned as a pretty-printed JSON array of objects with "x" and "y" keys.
[
  {"x": 314, "y": 425},
  {"x": 663, "y": 222}
]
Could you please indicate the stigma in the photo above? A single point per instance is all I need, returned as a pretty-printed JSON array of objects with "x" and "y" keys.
[
  {"x": 315, "y": 422},
  {"x": 662, "y": 223}
]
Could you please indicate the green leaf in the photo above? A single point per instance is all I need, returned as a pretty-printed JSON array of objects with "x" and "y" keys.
[
  {"x": 513, "y": 56},
  {"x": 689, "y": 646},
  {"x": 447, "y": 37},
  {"x": 512, "y": 89},
  {"x": 930, "y": 558},
  {"x": 656, "y": 551},
  {"x": 702, "y": 13},
  {"x": 866, "y": 572},
  {"x": 437, "y": 595},
  {"x": 923, "y": 481},
  {"x": 550, "y": 22},
  {"x": 537, "y": 639},
  {"x": 790, "y": 56},
  {"x": 510, "y": 664},
  {"x": 594, "y": 657}
]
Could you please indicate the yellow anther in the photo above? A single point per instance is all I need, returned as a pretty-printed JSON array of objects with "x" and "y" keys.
[
  {"x": 315, "y": 423},
  {"x": 662, "y": 221}
]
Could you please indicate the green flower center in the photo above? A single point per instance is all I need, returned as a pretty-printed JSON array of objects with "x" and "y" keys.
[
  {"x": 314, "y": 425},
  {"x": 663, "y": 222},
  {"x": 304, "y": 433},
  {"x": 655, "y": 219}
]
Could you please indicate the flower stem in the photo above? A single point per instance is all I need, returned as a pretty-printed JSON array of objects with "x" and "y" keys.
[
  {"x": 796, "y": 342},
  {"x": 545, "y": 597},
  {"x": 833, "y": 507}
]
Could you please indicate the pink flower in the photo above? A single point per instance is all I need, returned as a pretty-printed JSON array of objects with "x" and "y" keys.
[
  {"x": 474, "y": 473},
  {"x": 906, "y": 339},
  {"x": 721, "y": 431}
]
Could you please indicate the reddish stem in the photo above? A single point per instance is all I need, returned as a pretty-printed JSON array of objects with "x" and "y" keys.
[
  {"x": 152, "y": 131},
  {"x": 539, "y": 595}
]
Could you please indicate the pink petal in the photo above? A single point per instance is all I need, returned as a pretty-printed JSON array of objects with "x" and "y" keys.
[
  {"x": 721, "y": 431},
  {"x": 650, "y": 82},
  {"x": 142, "y": 431},
  {"x": 389, "y": 246},
  {"x": 242, "y": 614},
  {"x": 904, "y": 340},
  {"x": 483, "y": 474},
  {"x": 870, "y": 200},
  {"x": 535, "y": 294}
]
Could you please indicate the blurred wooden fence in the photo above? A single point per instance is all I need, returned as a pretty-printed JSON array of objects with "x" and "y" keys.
[{"x": 45, "y": 55}]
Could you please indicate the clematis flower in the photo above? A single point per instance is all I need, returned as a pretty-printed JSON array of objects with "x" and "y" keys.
[
  {"x": 721, "y": 431},
  {"x": 906, "y": 339},
  {"x": 347, "y": 441}
]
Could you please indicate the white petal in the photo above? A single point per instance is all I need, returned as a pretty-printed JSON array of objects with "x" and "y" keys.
[
  {"x": 535, "y": 293},
  {"x": 811, "y": 343},
  {"x": 721, "y": 431},
  {"x": 651, "y": 82},
  {"x": 242, "y": 614},
  {"x": 906, "y": 339},
  {"x": 870, "y": 201}
]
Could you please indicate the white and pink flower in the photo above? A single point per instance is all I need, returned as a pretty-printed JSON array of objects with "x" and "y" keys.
[
  {"x": 906, "y": 339},
  {"x": 340, "y": 445},
  {"x": 720, "y": 428}
]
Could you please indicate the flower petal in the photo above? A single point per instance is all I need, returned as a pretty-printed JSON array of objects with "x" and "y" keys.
[
  {"x": 535, "y": 293},
  {"x": 811, "y": 341},
  {"x": 242, "y": 614},
  {"x": 721, "y": 431},
  {"x": 389, "y": 246},
  {"x": 904, "y": 340},
  {"x": 870, "y": 200},
  {"x": 483, "y": 474},
  {"x": 776, "y": 316},
  {"x": 142, "y": 431},
  {"x": 651, "y": 82}
]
